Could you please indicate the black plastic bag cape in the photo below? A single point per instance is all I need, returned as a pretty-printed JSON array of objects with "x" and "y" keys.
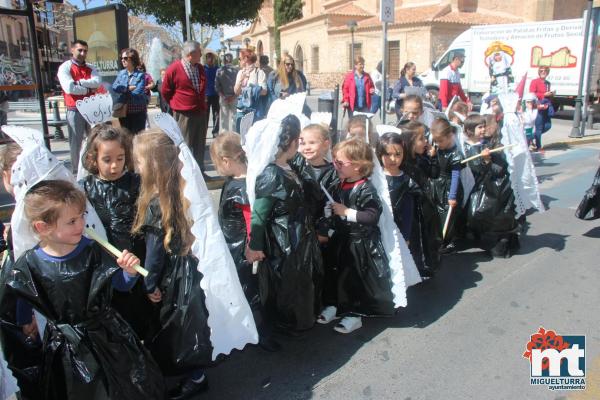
[
  {"x": 589, "y": 208},
  {"x": 290, "y": 276},
  {"x": 114, "y": 201},
  {"x": 440, "y": 187},
  {"x": 358, "y": 264},
  {"x": 312, "y": 178},
  {"x": 231, "y": 220},
  {"x": 399, "y": 186},
  {"x": 90, "y": 352},
  {"x": 491, "y": 205},
  {"x": 181, "y": 343},
  {"x": 426, "y": 237},
  {"x": 23, "y": 355}
]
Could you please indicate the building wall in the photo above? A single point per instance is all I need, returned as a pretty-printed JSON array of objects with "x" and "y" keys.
[{"x": 420, "y": 44}]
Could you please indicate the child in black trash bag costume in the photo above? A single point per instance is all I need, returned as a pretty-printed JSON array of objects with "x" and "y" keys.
[
  {"x": 90, "y": 352},
  {"x": 234, "y": 218},
  {"x": 421, "y": 164},
  {"x": 491, "y": 206},
  {"x": 113, "y": 188},
  {"x": 281, "y": 236},
  {"x": 362, "y": 275}
]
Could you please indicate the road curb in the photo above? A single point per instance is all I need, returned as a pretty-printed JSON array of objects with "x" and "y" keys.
[{"x": 571, "y": 142}]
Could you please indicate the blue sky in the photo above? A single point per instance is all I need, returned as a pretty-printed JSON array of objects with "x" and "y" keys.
[{"x": 229, "y": 31}]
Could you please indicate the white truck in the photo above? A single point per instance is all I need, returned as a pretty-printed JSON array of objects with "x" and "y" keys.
[{"x": 527, "y": 46}]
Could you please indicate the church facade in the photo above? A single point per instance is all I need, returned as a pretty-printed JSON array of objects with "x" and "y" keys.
[{"x": 321, "y": 42}]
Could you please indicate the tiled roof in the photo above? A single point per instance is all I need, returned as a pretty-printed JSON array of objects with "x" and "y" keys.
[
  {"x": 349, "y": 10},
  {"x": 471, "y": 18},
  {"x": 435, "y": 13}
]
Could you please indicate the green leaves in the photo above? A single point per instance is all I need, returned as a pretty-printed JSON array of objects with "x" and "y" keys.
[{"x": 205, "y": 12}]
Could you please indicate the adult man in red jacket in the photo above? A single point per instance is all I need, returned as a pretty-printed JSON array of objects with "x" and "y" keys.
[
  {"x": 450, "y": 82},
  {"x": 184, "y": 88},
  {"x": 78, "y": 80}
]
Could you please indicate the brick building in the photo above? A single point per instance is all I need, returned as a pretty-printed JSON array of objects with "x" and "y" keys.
[{"x": 320, "y": 42}]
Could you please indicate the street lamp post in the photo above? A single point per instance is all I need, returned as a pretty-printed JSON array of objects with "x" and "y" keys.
[
  {"x": 352, "y": 26},
  {"x": 247, "y": 42},
  {"x": 577, "y": 130}
]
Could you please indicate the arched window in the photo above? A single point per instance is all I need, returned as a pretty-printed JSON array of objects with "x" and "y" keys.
[{"x": 299, "y": 58}]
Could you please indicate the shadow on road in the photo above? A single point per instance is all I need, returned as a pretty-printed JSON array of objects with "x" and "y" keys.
[
  {"x": 304, "y": 362},
  {"x": 530, "y": 244},
  {"x": 593, "y": 233}
]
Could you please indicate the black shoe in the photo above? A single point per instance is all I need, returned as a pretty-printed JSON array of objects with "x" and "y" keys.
[
  {"x": 269, "y": 344},
  {"x": 501, "y": 249},
  {"x": 188, "y": 389}
]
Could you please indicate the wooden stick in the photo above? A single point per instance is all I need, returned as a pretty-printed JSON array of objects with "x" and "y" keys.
[
  {"x": 112, "y": 249},
  {"x": 4, "y": 256},
  {"x": 476, "y": 156},
  {"x": 447, "y": 222}
]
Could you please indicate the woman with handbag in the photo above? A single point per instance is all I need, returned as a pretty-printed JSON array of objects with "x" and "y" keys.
[
  {"x": 130, "y": 84},
  {"x": 251, "y": 87}
]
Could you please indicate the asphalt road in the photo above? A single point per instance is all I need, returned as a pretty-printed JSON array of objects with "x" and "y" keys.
[{"x": 464, "y": 332}]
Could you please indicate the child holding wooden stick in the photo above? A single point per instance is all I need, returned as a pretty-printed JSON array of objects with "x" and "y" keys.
[
  {"x": 90, "y": 351},
  {"x": 491, "y": 205},
  {"x": 447, "y": 192}
]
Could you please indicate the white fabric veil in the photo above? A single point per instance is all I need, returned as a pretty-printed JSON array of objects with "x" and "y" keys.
[
  {"x": 263, "y": 137},
  {"x": 229, "y": 316},
  {"x": 520, "y": 166},
  {"x": 402, "y": 265},
  {"x": 36, "y": 164}
]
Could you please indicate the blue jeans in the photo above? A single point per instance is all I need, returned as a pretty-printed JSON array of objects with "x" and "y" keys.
[{"x": 375, "y": 103}]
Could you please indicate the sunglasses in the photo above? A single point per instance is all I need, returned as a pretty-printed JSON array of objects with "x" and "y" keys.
[
  {"x": 124, "y": 58},
  {"x": 340, "y": 164},
  {"x": 289, "y": 64}
]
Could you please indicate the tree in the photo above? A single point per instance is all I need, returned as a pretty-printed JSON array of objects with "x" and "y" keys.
[
  {"x": 285, "y": 12},
  {"x": 206, "y": 12}
]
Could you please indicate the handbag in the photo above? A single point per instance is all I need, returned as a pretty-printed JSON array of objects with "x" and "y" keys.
[
  {"x": 589, "y": 208},
  {"x": 119, "y": 110}
]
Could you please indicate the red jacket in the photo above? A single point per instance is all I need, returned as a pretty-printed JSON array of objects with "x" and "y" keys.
[
  {"x": 539, "y": 86},
  {"x": 450, "y": 86},
  {"x": 78, "y": 81},
  {"x": 349, "y": 89},
  {"x": 178, "y": 91}
]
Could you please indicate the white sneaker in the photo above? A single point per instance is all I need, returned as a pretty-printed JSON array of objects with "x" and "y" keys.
[
  {"x": 348, "y": 324},
  {"x": 327, "y": 315}
]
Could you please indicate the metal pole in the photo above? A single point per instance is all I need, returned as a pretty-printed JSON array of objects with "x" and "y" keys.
[
  {"x": 576, "y": 131},
  {"x": 383, "y": 72},
  {"x": 352, "y": 61},
  {"x": 188, "y": 12},
  {"x": 36, "y": 71}
]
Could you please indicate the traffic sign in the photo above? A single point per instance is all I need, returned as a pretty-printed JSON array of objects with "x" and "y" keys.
[{"x": 386, "y": 8}]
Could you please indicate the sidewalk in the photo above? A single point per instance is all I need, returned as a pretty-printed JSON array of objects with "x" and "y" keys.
[{"x": 556, "y": 138}]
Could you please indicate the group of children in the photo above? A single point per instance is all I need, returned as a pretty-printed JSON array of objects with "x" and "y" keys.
[{"x": 305, "y": 236}]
